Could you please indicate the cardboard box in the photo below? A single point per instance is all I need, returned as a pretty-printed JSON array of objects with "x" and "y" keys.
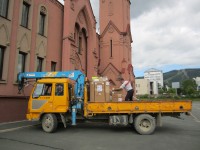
[
  {"x": 117, "y": 96},
  {"x": 99, "y": 91}
]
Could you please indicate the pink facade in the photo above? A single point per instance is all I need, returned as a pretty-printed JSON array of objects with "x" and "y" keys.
[
  {"x": 28, "y": 41},
  {"x": 57, "y": 37},
  {"x": 115, "y": 41},
  {"x": 80, "y": 48}
]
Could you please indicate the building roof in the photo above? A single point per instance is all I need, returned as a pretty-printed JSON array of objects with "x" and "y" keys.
[{"x": 153, "y": 70}]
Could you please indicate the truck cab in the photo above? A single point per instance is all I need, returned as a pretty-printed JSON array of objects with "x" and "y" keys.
[{"x": 50, "y": 95}]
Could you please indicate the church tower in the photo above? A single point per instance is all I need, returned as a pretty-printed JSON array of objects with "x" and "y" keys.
[{"x": 115, "y": 41}]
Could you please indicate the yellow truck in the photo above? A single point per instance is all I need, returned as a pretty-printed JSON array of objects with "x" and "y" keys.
[{"x": 63, "y": 97}]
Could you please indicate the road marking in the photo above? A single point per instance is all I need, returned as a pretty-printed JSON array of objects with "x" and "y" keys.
[
  {"x": 195, "y": 118},
  {"x": 13, "y": 129},
  {"x": 196, "y": 107},
  {"x": 12, "y": 122}
]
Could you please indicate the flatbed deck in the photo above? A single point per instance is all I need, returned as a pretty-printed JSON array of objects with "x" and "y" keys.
[{"x": 142, "y": 106}]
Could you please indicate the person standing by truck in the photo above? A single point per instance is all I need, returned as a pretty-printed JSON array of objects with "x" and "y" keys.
[{"x": 126, "y": 84}]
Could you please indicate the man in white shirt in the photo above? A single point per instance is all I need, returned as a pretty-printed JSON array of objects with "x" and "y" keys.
[{"x": 127, "y": 86}]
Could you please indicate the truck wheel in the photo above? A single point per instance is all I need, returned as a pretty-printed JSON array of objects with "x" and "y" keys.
[
  {"x": 49, "y": 123},
  {"x": 145, "y": 124}
]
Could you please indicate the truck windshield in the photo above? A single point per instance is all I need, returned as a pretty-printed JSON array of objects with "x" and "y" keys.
[{"x": 42, "y": 90}]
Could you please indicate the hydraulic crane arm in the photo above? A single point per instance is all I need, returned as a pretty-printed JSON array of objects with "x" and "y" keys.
[{"x": 75, "y": 75}]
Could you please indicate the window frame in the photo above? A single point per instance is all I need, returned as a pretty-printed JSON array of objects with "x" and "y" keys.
[
  {"x": 6, "y": 10},
  {"x": 26, "y": 22},
  {"x": 53, "y": 66},
  {"x": 56, "y": 86},
  {"x": 39, "y": 64},
  {"x": 23, "y": 61},
  {"x": 43, "y": 88},
  {"x": 42, "y": 23}
]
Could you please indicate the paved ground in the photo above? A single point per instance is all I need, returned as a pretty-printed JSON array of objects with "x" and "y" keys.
[{"x": 175, "y": 134}]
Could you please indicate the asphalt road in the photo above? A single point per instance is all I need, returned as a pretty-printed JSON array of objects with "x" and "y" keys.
[{"x": 175, "y": 134}]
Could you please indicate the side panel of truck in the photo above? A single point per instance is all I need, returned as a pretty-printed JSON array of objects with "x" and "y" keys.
[{"x": 137, "y": 107}]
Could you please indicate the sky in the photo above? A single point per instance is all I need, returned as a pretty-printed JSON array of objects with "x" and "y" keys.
[{"x": 166, "y": 34}]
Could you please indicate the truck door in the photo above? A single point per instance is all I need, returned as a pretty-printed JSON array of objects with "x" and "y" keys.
[
  {"x": 61, "y": 97},
  {"x": 42, "y": 97}
]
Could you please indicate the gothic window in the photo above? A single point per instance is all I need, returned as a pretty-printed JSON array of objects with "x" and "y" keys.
[
  {"x": 80, "y": 45},
  {"x": 84, "y": 40},
  {"x": 2, "y": 50},
  {"x": 4, "y": 8},
  {"x": 78, "y": 38},
  {"x": 111, "y": 48},
  {"x": 25, "y": 14}
]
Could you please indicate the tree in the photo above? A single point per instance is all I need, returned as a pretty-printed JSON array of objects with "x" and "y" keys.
[
  {"x": 189, "y": 87},
  {"x": 171, "y": 91}
]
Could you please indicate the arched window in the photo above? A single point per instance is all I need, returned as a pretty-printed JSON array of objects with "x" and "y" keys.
[
  {"x": 84, "y": 37},
  {"x": 77, "y": 37}
]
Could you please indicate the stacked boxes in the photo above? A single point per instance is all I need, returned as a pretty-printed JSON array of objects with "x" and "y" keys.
[{"x": 100, "y": 90}]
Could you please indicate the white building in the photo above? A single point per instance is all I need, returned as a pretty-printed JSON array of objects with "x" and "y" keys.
[
  {"x": 156, "y": 79},
  {"x": 142, "y": 86},
  {"x": 197, "y": 79}
]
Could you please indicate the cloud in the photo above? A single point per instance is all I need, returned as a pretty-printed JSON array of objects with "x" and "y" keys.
[
  {"x": 166, "y": 34},
  {"x": 95, "y": 8}
]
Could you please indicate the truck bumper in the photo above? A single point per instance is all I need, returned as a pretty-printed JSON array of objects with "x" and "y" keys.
[{"x": 32, "y": 116}]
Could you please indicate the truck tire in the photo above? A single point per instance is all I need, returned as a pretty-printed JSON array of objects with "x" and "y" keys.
[
  {"x": 145, "y": 124},
  {"x": 49, "y": 123}
]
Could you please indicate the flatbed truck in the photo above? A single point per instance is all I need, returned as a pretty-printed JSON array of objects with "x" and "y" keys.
[{"x": 74, "y": 104}]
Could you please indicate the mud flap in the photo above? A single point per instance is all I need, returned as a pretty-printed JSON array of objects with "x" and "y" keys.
[
  {"x": 158, "y": 120},
  {"x": 63, "y": 120}
]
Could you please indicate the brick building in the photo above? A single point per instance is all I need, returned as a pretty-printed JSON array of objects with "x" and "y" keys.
[{"x": 44, "y": 35}]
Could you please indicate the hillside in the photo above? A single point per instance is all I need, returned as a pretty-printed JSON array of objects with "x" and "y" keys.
[{"x": 180, "y": 75}]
